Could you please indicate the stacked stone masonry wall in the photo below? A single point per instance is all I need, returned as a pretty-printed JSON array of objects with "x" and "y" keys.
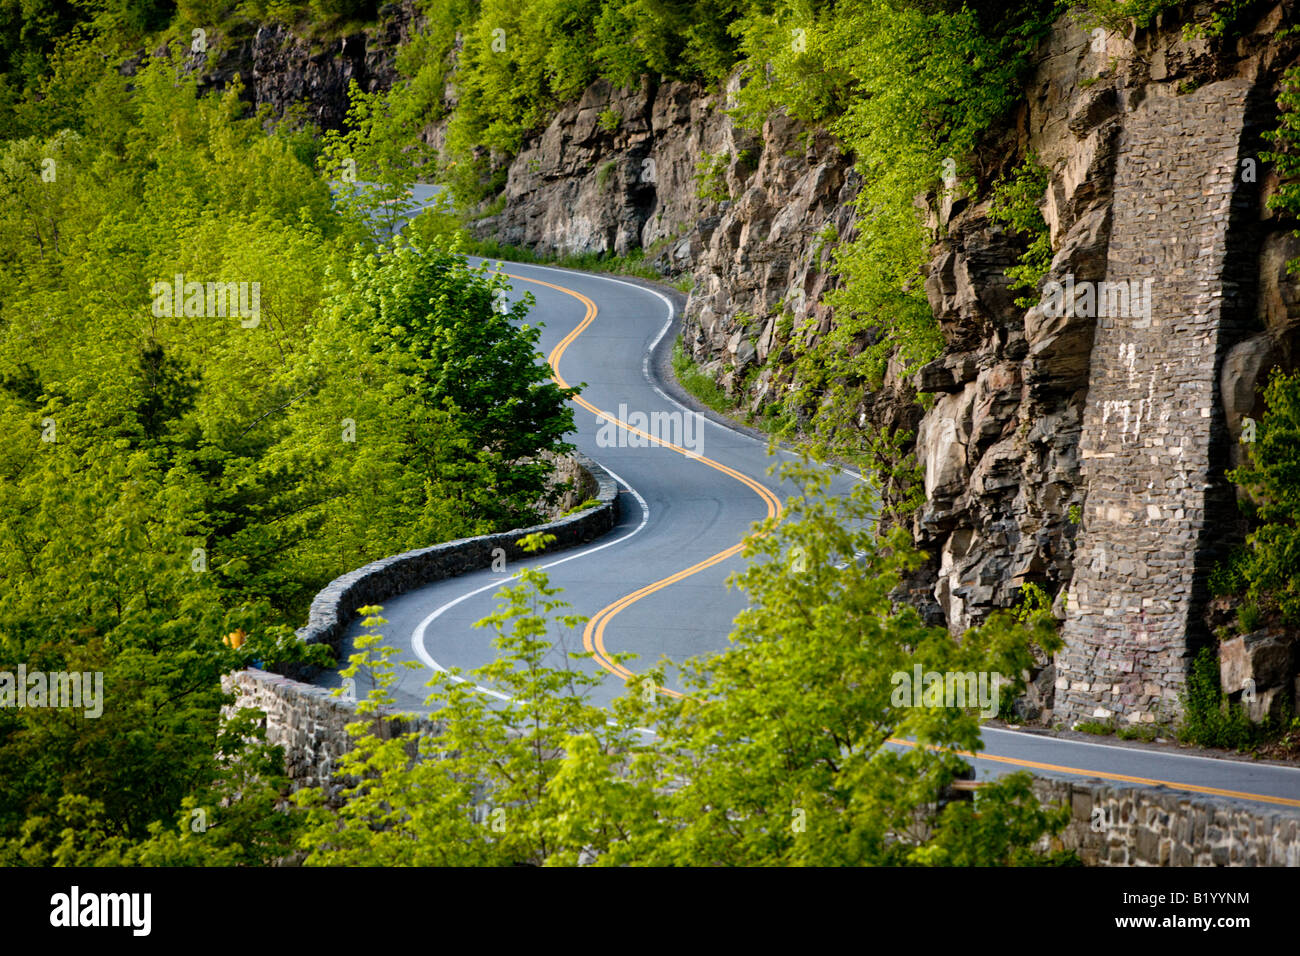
[
  {"x": 1152, "y": 412},
  {"x": 1128, "y": 825}
]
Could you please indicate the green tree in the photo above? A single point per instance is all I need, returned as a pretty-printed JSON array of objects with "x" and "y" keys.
[
  {"x": 790, "y": 748},
  {"x": 787, "y": 750},
  {"x": 377, "y": 159},
  {"x": 1270, "y": 565},
  {"x": 477, "y": 791},
  {"x": 446, "y": 325},
  {"x": 169, "y": 476}
]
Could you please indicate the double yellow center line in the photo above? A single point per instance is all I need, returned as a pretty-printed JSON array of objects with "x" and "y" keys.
[{"x": 593, "y": 637}]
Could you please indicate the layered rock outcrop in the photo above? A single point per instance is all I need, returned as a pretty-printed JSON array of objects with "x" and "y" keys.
[
  {"x": 1084, "y": 449},
  {"x": 750, "y": 216},
  {"x": 293, "y": 73}
]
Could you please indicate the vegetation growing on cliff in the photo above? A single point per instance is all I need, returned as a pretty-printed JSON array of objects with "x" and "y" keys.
[
  {"x": 1119, "y": 14},
  {"x": 1015, "y": 203},
  {"x": 1266, "y": 571},
  {"x": 1269, "y": 567},
  {"x": 909, "y": 88}
]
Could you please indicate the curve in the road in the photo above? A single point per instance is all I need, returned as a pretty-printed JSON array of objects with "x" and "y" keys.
[
  {"x": 677, "y": 497},
  {"x": 418, "y": 635},
  {"x": 593, "y": 636}
]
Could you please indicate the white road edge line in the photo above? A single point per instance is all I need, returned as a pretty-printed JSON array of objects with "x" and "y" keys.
[
  {"x": 1129, "y": 750},
  {"x": 420, "y": 634},
  {"x": 649, "y": 353},
  {"x": 421, "y": 630}
]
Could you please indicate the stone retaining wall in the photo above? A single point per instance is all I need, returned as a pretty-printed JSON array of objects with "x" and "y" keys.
[
  {"x": 1132, "y": 825},
  {"x": 309, "y": 722},
  {"x": 335, "y": 605}
]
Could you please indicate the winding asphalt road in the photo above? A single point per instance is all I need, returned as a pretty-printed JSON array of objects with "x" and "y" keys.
[
  {"x": 655, "y": 585},
  {"x": 683, "y": 510}
]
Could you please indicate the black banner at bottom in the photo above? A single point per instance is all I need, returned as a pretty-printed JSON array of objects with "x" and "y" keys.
[{"x": 339, "y": 906}]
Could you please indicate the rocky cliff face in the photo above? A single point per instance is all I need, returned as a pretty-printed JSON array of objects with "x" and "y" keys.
[
  {"x": 738, "y": 211},
  {"x": 286, "y": 71},
  {"x": 1085, "y": 449}
]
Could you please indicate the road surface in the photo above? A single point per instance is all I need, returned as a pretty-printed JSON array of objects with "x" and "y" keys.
[{"x": 655, "y": 586}]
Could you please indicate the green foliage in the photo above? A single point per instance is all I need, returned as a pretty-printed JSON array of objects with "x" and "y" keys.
[
  {"x": 773, "y": 775},
  {"x": 905, "y": 87},
  {"x": 438, "y": 224},
  {"x": 168, "y": 478},
  {"x": 605, "y": 174},
  {"x": 1209, "y": 718},
  {"x": 31, "y": 30},
  {"x": 1016, "y": 203},
  {"x": 1000, "y": 828},
  {"x": 1117, "y": 14},
  {"x": 237, "y": 817},
  {"x": 1267, "y": 569},
  {"x": 483, "y": 792},
  {"x": 337, "y": 13},
  {"x": 1033, "y": 609},
  {"x": 1229, "y": 575},
  {"x": 1035, "y": 604},
  {"x": 609, "y": 119},
  {"x": 697, "y": 382},
  {"x": 388, "y": 791},
  {"x": 711, "y": 177},
  {"x": 894, "y": 472},
  {"x": 1146, "y": 733},
  {"x": 1286, "y": 152},
  {"x": 517, "y": 63},
  {"x": 466, "y": 357},
  {"x": 1270, "y": 563},
  {"x": 375, "y": 161},
  {"x": 1225, "y": 19},
  {"x": 1095, "y": 727},
  {"x": 127, "y": 440}
]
